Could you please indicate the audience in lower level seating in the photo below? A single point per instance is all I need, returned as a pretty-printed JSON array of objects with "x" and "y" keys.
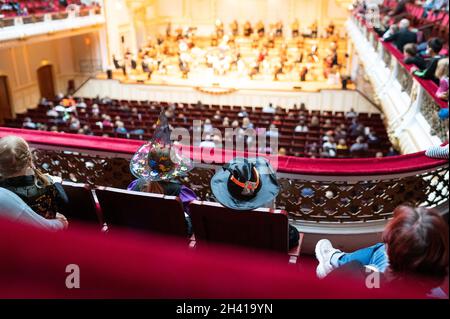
[
  {"x": 414, "y": 246},
  {"x": 19, "y": 175}
]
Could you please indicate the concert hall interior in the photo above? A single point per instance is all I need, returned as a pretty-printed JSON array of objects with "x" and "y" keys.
[{"x": 230, "y": 149}]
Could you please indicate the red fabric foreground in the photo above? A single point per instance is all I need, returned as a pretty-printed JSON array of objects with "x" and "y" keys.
[
  {"x": 286, "y": 164},
  {"x": 123, "y": 265}
]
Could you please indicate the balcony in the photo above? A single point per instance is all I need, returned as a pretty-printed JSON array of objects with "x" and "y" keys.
[
  {"x": 337, "y": 198},
  {"x": 24, "y": 27},
  {"x": 409, "y": 102}
]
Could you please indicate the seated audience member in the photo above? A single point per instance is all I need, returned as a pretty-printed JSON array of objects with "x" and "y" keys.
[
  {"x": 243, "y": 112},
  {"x": 282, "y": 151},
  {"x": 414, "y": 247},
  {"x": 74, "y": 123},
  {"x": 392, "y": 152},
  {"x": 301, "y": 127},
  {"x": 442, "y": 75},
  {"x": 217, "y": 116},
  {"x": 207, "y": 126},
  {"x": 107, "y": 123},
  {"x": 379, "y": 155},
  {"x": 52, "y": 113},
  {"x": 434, "y": 6},
  {"x": 340, "y": 132},
  {"x": 246, "y": 124},
  {"x": 356, "y": 129},
  {"x": 226, "y": 121},
  {"x": 411, "y": 56},
  {"x": 157, "y": 173},
  {"x": 269, "y": 109},
  {"x": 68, "y": 101},
  {"x": 315, "y": 122},
  {"x": 403, "y": 36},
  {"x": 120, "y": 128},
  {"x": 372, "y": 138},
  {"x": 19, "y": 175},
  {"x": 359, "y": 146},
  {"x": 351, "y": 114},
  {"x": 29, "y": 124},
  {"x": 273, "y": 131},
  {"x": 248, "y": 184},
  {"x": 328, "y": 125},
  {"x": 329, "y": 147},
  {"x": 429, "y": 73},
  {"x": 87, "y": 130},
  {"x": 328, "y": 134},
  {"x": 81, "y": 104},
  {"x": 95, "y": 110},
  {"x": 277, "y": 120},
  {"x": 342, "y": 145},
  {"x": 393, "y": 29},
  {"x": 16, "y": 210}
]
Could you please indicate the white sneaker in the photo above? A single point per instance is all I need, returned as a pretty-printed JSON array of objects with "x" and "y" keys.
[{"x": 324, "y": 250}]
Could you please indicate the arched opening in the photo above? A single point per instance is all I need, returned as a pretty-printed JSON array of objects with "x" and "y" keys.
[
  {"x": 6, "y": 110},
  {"x": 46, "y": 82}
]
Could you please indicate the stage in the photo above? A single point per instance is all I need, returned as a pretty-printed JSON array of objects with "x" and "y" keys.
[
  {"x": 206, "y": 79},
  {"x": 322, "y": 98}
]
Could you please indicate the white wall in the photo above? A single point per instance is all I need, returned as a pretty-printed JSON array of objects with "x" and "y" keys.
[
  {"x": 203, "y": 13},
  {"x": 325, "y": 100},
  {"x": 71, "y": 57}
]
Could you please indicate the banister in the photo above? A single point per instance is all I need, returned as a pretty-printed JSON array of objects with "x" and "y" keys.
[
  {"x": 286, "y": 164},
  {"x": 428, "y": 85}
]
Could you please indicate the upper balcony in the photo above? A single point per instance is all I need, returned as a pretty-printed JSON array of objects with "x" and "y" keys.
[
  {"x": 74, "y": 17},
  {"x": 409, "y": 102}
]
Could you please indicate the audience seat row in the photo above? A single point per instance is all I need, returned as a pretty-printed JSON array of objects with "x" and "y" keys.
[{"x": 112, "y": 208}]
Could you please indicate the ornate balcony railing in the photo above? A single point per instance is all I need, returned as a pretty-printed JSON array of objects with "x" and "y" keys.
[
  {"x": 314, "y": 190},
  {"x": 18, "y": 27},
  {"x": 419, "y": 94}
]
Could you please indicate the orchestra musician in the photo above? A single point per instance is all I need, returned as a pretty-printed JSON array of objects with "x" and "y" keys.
[
  {"x": 234, "y": 27},
  {"x": 248, "y": 29},
  {"x": 260, "y": 28},
  {"x": 219, "y": 29},
  {"x": 295, "y": 27},
  {"x": 279, "y": 29}
]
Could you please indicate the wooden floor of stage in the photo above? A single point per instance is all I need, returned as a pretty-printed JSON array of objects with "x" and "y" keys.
[{"x": 210, "y": 82}]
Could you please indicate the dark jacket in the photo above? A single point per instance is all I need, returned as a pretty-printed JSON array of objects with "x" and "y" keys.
[
  {"x": 429, "y": 72},
  {"x": 44, "y": 200},
  {"x": 417, "y": 61},
  {"x": 401, "y": 38}
]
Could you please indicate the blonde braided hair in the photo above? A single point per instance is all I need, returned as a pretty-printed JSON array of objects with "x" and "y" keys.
[{"x": 15, "y": 156}]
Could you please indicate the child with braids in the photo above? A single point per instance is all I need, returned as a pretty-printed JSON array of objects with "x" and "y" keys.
[{"x": 19, "y": 175}]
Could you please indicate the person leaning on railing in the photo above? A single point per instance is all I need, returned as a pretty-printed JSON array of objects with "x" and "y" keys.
[{"x": 434, "y": 47}]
